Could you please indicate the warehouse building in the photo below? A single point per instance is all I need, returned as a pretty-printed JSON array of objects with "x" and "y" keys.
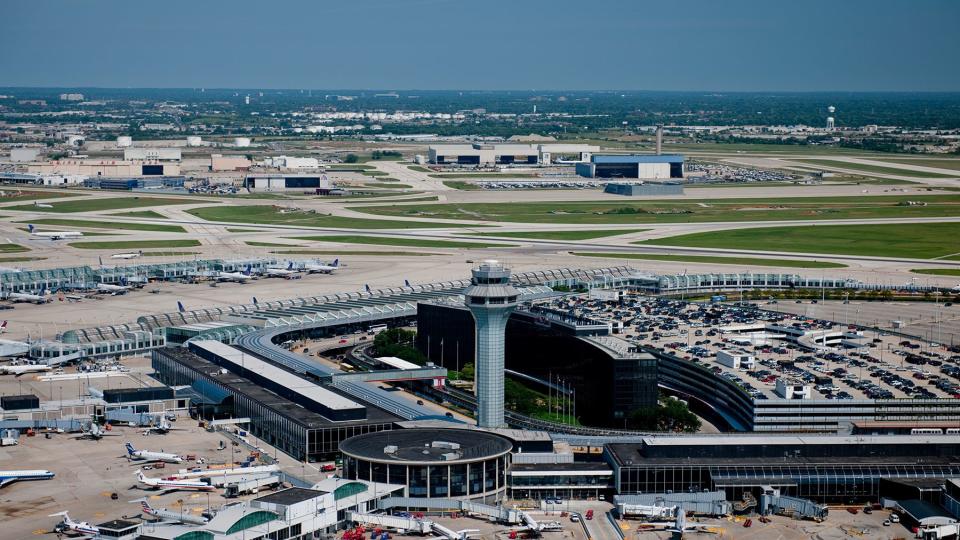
[
  {"x": 446, "y": 464},
  {"x": 292, "y": 428},
  {"x": 823, "y": 468},
  {"x": 95, "y": 167},
  {"x": 222, "y": 163},
  {"x": 487, "y": 154},
  {"x": 644, "y": 167},
  {"x": 281, "y": 182},
  {"x": 151, "y": 154},
  {"x": 129, "y": 184}
]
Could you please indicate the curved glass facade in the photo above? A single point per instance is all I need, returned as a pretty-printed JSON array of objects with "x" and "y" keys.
[{"x": 485, "y": 479}]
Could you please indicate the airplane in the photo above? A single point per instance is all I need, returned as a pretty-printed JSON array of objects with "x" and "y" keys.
[
  {"x": 16, "y": 297},
  {"x": 23, "y": 370},
  {"x": 281, "y": 272},
  {"x": 180, "y": 307},
  {"x": 127, "y": 255},
  {"x": 146, "y": 455},
  {"x": 3, "y": 327},
  {"x": 55, "y": 235},
  {"x": 39, "y": 204},
  {"x": 70, "y": 526},
  {"x": 679, "y": 525},
  {"x": 312, "y": 268},
  {"x": 238, "y": 277},
  {"x": 170, "y": 515},
  {"x": 406, "y": 283},
  {"x": 9, "y": 477},
  {"x": 161, "y": 427},
  {"x": 173, "y": 485},
  {"x": 95, "y": 433},
  {"x": 114, "y": 289}
]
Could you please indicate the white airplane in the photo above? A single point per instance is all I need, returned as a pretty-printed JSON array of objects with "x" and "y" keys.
[
  {"x": 322, "y": 268},
  {"x": 146, "y": 455},
  {"x": 23, "y": 370},
  {"x": 235, "y": 471},
  {"x": 9, "y": 477},
  {"x": 54, "y": 235},
  {"x": 17, "y": 297},
  {"x": 127, "y": 255},
  {"x": 281, "y": 272},
  {"x": 113, "y": 289},
  {"x": 70, "y": 526},
  {"x": 39, "y": 204},
  {"x": 173, "y": 485},
  {"x": 161, "y": 427},
  {"x": 239, "y": 277},
  {"x": 679, "y": 525},
  {"x": 170, "y": 515},
  {"x": 94, "y": 433}
]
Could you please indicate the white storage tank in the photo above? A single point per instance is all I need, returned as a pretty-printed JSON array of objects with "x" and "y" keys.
[
  {"x": 241, "y": 142},
  {"x": 124, "y": 141},
  {"x": 194, "y": 140}
]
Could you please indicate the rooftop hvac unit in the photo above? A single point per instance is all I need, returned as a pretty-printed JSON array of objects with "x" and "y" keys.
[
  {"x": 445, "y": 445},
  {"x": 390, "y": 449}
]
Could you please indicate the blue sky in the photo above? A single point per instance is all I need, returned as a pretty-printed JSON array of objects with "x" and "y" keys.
[{"x": 724, "y": 45}]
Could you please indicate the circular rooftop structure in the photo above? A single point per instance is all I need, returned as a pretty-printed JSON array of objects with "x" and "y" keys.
[
  {"x": 426, "y": 446},
  {"x": 434, "y": 463}
]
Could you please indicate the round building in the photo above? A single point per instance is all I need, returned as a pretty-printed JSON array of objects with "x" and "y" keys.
[{"x": 437, "y": 463}]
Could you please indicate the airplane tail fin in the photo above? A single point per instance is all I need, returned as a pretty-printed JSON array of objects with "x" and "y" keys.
[
  {"x": 336, "y": 263},
  {"x": 255, "y": 301},
  {"x": 3, "y": 325},
  {"x": 147, "y": 509},
  {"x": 30, "y": 228},
  {"x": 130, "y": 448},
  {"x": 406, "y": 283},
  {"x": 180, "y": 307},
  {"x": 101, "y": 260},
  {"x": 367, "y": 287},
  {"x": 247, "y": 270},
  {"x": 290, "y": 266}
]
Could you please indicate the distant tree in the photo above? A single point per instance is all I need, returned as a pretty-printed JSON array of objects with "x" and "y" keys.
[{"x": 351, "y": 158}]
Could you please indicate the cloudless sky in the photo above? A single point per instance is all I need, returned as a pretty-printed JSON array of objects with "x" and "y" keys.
[{"x": 724, "y": 45}]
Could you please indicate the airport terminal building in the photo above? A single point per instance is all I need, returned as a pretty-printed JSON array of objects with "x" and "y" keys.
[{"x": 643, "y": 167}]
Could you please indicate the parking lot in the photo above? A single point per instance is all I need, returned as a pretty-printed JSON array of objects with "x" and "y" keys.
[{"x": 867, "y": 365}]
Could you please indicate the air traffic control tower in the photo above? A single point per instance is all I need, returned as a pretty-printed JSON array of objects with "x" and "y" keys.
[{"x": 491, "y": 299}]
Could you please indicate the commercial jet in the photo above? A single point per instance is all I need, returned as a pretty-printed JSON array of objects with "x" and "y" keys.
[
  {"x": 238, "y": 277},
  {"x": 313, "y": 268},
  {"x": 9, "y": 477},
  {"x": 127, "y": 255},
  {"x": 114, "y": 289},
  {"x": 54, "y": 235},
  {"x": 281, "y": 272},
  {"x": 173, "y": 485},
  {"x": 23, "y": 370},
  {"x": 170, "y": 515},
  {"x": 147, "y": 455},
  {"x": 17, "y": 297},
  {"x": 78, "y": 527}
]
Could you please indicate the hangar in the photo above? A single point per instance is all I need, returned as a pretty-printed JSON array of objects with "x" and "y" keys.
[{"x": 646, "y": 167}]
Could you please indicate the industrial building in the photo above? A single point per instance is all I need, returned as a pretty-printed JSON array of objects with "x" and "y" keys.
[
  {"x": 824, "y": 468},
  {"x": 643, "y": 189},
  {"x": 151, "y": 153},
  {"x": 487, "y": 154},
  {"x": 446, "y": 463},
  {"x": 305, "y": 420},
  {"x": 643, "y": 167},
  {"x": 222, "y": 163},
  {"x": 102, "y": 167},
  {"x": 292, "y": 163},
  {"x": 129, "y": 184},
  {"x": 280, "y": 182}
]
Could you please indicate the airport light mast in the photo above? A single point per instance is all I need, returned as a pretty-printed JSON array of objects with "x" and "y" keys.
[{"x": 491, "y": 299}]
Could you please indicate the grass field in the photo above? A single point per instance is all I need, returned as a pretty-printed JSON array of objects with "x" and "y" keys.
[
  {"x": 740, "y": 261},
  {"x": 937, "y": 271},
  {"x": 685, "y": 210},
  {"x": 12, "y": 194},
  {"x": 108, "y": 203},
  {"x": 21, "y": 259},
  {"x": 116, "y": 225},
  {"x": 560, "y": 235},
  {"x": 461, "y": 185},
  {"x": 388, "y": 186},
  {"x": 417, "y": 168},
  {"x": 148, "y": 214},
  {"x": 876, "y": 169},
  {"x": 398, "y": 241},
  {"x": 232, "y": 229},
  {"x": 914, "y": 240},
  {"x": 482, "y": 176},
  {"x": 136, "y": 244},
  {"x": 272, "y": 216},
  {"x": 953, "y": 164},
  {"x": 169, "y": 253},
  {"x": 13, "y": 248}
]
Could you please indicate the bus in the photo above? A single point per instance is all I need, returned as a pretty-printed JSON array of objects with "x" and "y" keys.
[{"x": 376, "y": 329}]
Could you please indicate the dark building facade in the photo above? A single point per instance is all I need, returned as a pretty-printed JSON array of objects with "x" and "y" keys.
[{"x": 542, "y": 345}]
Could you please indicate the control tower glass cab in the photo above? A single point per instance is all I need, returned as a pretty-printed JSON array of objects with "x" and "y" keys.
[{"x": 491, "y": 299}]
